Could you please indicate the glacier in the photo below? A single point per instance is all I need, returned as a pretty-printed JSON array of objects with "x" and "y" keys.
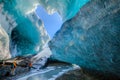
[
  {"x": 26, "y": 31},
  {"x": 4, "y": 45},
  {"x": 91, "y": 39},
  {"x": 89, "y": 36},
  {"x": 30, "y": 38},
  {"x": 66, "y": 8}
]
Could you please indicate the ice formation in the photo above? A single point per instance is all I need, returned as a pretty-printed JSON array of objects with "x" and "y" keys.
[
  {"x": 66, "y": 8},
  {"x": 4, "y": 45},
  {"x": 89, "y": 36},
  {"x": 26, "y": 31},
  {"x": 91, "y": 39}
]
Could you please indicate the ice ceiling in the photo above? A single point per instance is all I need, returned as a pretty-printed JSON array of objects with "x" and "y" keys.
[{"x": 26, "y": 31}]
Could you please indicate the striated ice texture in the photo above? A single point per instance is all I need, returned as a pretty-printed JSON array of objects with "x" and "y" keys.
[
  {"x": 26, "y": 31},
  {"x": 4, "y": 45},
  {"x": 66, "y": 8},
  {"x": 91, "y": 39},
  {"x": 30, "y": 36}
]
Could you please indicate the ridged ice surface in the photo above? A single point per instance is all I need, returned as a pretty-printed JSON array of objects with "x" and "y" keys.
[
  {"x": 4, "y": 45},
  {"x": 66, "y": 8},
  {"x": 92, "y": 38},
  {"x": 26, "y": 31}
]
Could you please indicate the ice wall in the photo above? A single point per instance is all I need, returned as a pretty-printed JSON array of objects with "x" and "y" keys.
[
  {"x": 91, "y": 39},
  {"x": 25, "y": 35},
  {"x": 7, "y": 20},
  {"x": 4, "y": 45},
  {"x": 30, "y": 36}
]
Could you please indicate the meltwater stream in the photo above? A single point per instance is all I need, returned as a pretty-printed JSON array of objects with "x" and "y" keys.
[{"x": 49, "y": 73}]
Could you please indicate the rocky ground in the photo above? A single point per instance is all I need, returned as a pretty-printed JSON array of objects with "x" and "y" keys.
[
  {"x": 80, "y": 74},
  {"x": 76, "y": 74},
  {"x": 6, "y": 71}
]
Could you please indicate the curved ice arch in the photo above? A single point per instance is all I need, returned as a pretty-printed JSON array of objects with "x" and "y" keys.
[
  {"x": 26, "y": 37},
  {"x": 7, "y": 21},
  {"x": 20, "y": 9},
  {"x": 66, "y": 8}
]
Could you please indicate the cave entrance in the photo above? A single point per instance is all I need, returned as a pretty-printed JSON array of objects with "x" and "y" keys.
[{"x": 52, "y": 23}]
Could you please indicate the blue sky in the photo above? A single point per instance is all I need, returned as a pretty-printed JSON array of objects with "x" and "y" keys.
[{"x": 52, "y": 22}]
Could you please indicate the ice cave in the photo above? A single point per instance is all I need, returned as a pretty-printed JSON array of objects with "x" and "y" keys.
[{"x": 85, "y": 33}]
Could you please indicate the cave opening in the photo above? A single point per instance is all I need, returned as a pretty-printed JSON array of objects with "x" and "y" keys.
[
  {"x": 32, "y": 33},
  {"x": 52, "y": 22}
]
